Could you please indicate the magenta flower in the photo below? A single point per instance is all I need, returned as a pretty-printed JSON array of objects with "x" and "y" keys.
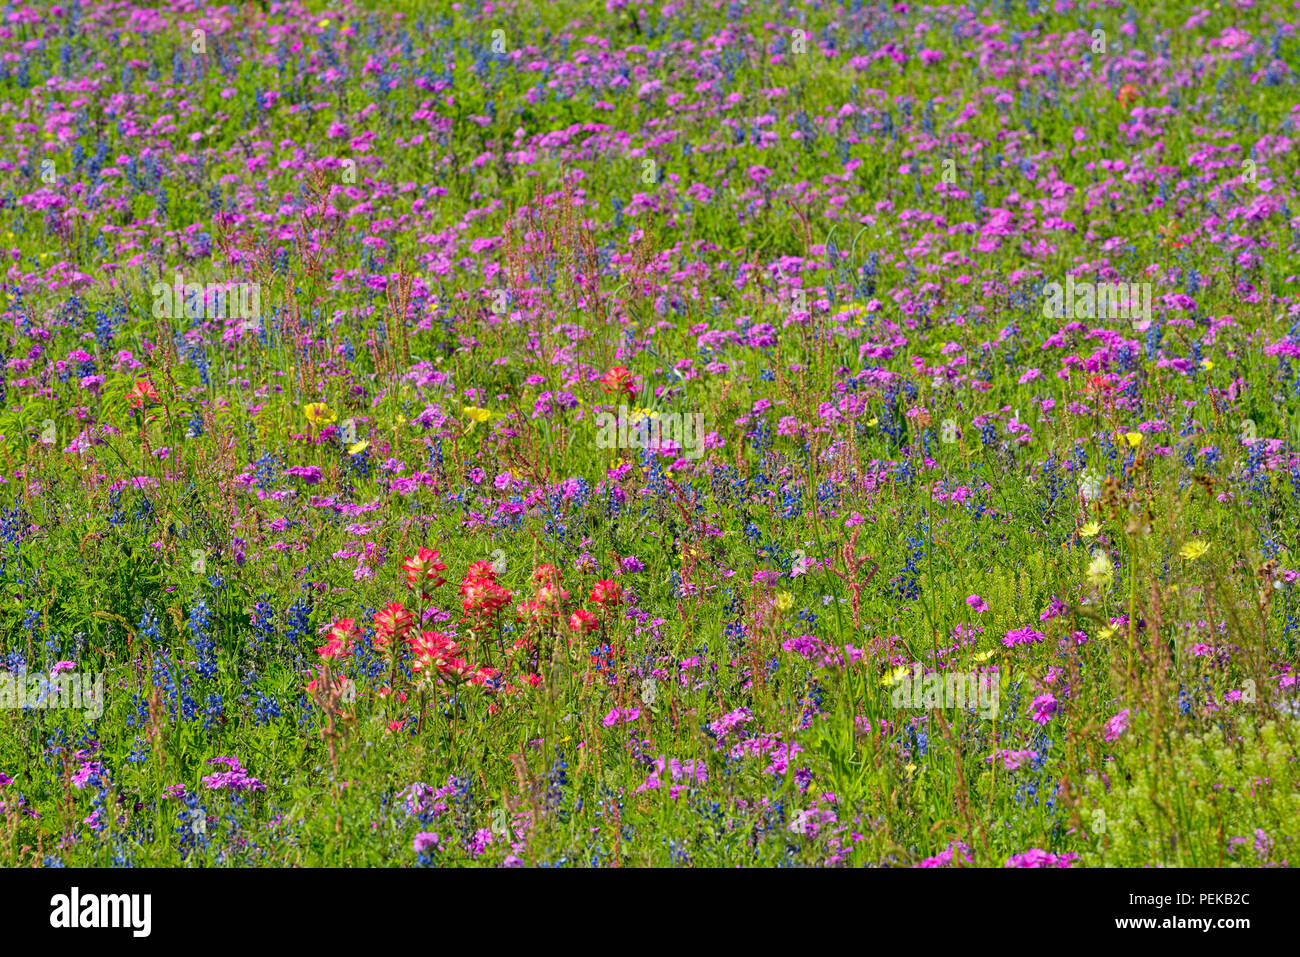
[
  {"x": 1036, "y": 857},
  {"x": 944, "y": 858},
  {"x": 1054, "y": 610},
  {"x": 1044, "y": 708},
  {"x": 1013, "y": 760},
  {"x": 617, "y": 715},
  {"x": 1117, "y": 725},
  {"x": 235, "y": 779},
  {"x": 1022, "y": 636},
  {"x": 978, "y": 603}
]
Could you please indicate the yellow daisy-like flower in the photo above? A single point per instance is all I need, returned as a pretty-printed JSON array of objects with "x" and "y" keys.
[
  {"x": 910, "y": 769},
  {"x": 894, "y": 677},
  {"x": 873, "y": 422},
  {"x": 1100, "y": 570},
  {"x": 475, "y": 414},
  {"x": 784, "y": 601},
  {"x": 318, "y": 413},
  {"x": 1194, "y": 549},
  {"x": 1107, "y": 633},
  {"x": 1089, "y": 530},
  {"x": 1207, "y": 365},
  {"x": 984, "y": 656},
  {"x": 359, "y": 447},
  {"x": 1133, "y": 439}
]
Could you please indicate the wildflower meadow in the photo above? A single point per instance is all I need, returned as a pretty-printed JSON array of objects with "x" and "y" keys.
[{"x": 680, "y": 434}]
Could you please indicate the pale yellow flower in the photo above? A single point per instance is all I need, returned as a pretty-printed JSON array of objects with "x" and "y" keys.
[
  {"x": 1194, "y": 549},
  {"x": 1100, "y": 571}
]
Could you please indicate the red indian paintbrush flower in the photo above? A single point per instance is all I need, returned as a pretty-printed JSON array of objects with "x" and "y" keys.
[
  {"x": 458, "y": 668},
  {"x": 339, "y": 644},
  {"x": 143, "y": 391},
  {"x": 583, "y": 621},
  {"x": 484, "y": 570},
  {"x": 618, "y": 381},
  {"x": 1100, "y": 385},
  {"x": 432, "y": 650},
  {"x": 546, "y": 573},
  {"x": 339, "y": 685},
  {"x": 422, "y": 568},
  {"x": 607, "y": 593},
  {"x": 531, "y": 610},
  {"x": 393, "y": 620},
  {"x": 551, "y": 593},
  {"x": 484, "y": 596}
]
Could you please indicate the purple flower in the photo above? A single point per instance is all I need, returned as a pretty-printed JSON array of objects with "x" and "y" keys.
[
  {"x": 479, "y": 842},
  {"x": 945, "y": 857},
  {"x": 978, "y": 603},
  {"x": 1013, "y": 760},
  {"x": 730, "y": 721},
  {"x": 1054, "y": 610},
  {"x": 1117, "y": 725},
  {"x": 310, "y": 474},
  {"x": 236, "y": 779},
  {"x": 88, "y": 770},
  {"x": 617, "y": 715},
  {"x": 1022, "y": 636},
  {"x": 424, "y": 841},
  {"x": 1036, "y": 857},
  {"x": 1044, "y": 708}
]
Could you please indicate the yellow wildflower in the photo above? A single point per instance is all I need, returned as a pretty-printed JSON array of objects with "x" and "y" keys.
[{"x": 318, "y": 413}]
